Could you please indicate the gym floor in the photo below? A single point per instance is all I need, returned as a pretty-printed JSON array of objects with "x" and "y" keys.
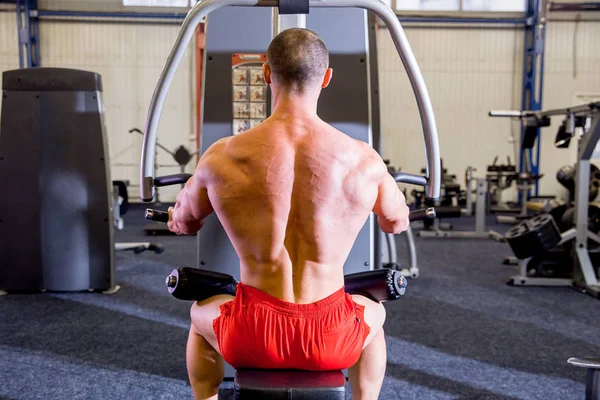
[{"x": 459, "y": 333}]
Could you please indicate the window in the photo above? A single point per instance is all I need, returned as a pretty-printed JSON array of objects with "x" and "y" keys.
[
  {"x": 156, "y": 3},
  {"x": 494, "y": 5},
  {"x": 428, "y": 5},
  {"x": 462, "y": 5}
]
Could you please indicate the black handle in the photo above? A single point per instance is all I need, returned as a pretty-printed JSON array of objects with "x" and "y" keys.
[
  {"x": 169, "y": 180},
  {"x": 418, "y": 215},
  {"x": 158, "y": 216},
  {"x": 403, "y": 177}
]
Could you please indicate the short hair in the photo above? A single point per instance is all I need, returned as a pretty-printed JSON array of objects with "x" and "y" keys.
[{"x": 298, "y": 58}]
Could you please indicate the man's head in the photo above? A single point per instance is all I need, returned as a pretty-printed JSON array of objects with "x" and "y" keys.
[{"x": 298, "y": 61}]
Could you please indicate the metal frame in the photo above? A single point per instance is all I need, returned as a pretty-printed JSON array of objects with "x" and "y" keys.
[
  {"x": 587, "y": 144},
  {"x": 480, "y": 211},
  {"x": 412, "y": 269},
  {"x": 28, "y": 33},
  {"x": 522, "y": 278},
  {"x": 198, "y": 12},
  {"x": 580, "y": 234},
  {"x": 533, "y": 74}
]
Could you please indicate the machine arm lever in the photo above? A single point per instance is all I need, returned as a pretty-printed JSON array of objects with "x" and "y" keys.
[{"x": 387, "y": 15}]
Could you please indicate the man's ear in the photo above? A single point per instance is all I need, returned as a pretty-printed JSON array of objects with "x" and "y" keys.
[
  {"x": 327, "y": 77},
  {"x": 267, "y": 73}
]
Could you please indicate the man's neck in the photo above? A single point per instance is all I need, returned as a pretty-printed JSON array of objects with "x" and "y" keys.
[{"x": 286, "y": 104}]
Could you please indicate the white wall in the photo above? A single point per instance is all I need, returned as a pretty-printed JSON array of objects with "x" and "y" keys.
[
  {"x": 467, "y": 72},
  {"x": 471, "y": 71},
  {"x": 564, "y": 80},
  {"x": 129, "y": 57}
]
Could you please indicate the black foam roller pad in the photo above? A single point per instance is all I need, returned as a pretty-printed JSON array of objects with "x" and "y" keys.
[
  {"x": 187, "y": 283},
  {"x": 378, "y": 285}
]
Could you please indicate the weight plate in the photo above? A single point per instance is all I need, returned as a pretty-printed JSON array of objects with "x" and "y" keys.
[
  {"x": 556, "y": 208},
  {"x": 568, "y": 218},
  {"x": 533, "y": 236}
]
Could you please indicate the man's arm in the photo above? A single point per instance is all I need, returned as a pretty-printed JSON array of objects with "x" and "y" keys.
[
  {"x": 192, "y": 204},
  {"x": 390, "y": 206}
]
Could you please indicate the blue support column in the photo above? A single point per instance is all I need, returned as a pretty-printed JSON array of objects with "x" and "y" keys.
[
  {"x": 28, "y": 33},
  {"x": 533, "y": 79}
]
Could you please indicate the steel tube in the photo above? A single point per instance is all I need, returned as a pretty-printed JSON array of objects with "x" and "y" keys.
[{"x": 196, "y": 14}]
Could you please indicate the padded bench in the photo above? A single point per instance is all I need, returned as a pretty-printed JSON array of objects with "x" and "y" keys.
[{"x": 289, "y": 385}]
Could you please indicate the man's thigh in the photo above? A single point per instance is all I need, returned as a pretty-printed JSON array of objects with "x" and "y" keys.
[
  {"x": 374, "y": 315},
  {"x": 203, "y": 313}
]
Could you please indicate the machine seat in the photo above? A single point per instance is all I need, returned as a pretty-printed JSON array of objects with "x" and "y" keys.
[{"x": 289, "y": 384}]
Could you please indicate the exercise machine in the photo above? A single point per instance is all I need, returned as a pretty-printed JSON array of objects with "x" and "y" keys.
[
  {"x": 120, "y": 207},
  {"x": 181, "y": 155},
  {"x": 195, "y": 284},
  {"x": 57, "y": 225},
  {"x": 540, "y": 235},
  {"x": 501, "y": 177},
  {"x": 56, "y": 219},
  {"x": 438, "y": 230},
  {"x": 389, "y": 253},
  {"x": 346, "y": 104}
]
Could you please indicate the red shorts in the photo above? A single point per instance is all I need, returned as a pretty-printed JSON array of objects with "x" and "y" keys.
[{"x": 257, "y": 330}]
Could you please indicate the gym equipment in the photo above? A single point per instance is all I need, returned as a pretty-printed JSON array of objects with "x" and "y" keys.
[
  {"x": 349, "y": 103},
  {"x": 289, "y": 384},
  {"x": 566, "y": 177},
  {"x": 533, "y": 236},
  {"x": 182, "y": 157},
  {"x": 120, "y": 207},
  {"x": 195, "y": 284},
  {"x": 389, "y": 254},
  {"x": 56, "y": 224},
  {"x": 198, "y": 12},
  {"x": 578, "y": 238},
  {"x": 338, "y": 104},
  {"x": 556, "y": 208},
  {"x": 568, "y": 218},
  {"x": 450, "y": 191},
  {"x": 500, "y": 177},
  {"x": 592, "y": 380},
  {"x": 436, "y": 229}
]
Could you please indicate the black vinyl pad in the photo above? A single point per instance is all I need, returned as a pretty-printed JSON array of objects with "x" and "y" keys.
[{"x": 289, "y": 384}]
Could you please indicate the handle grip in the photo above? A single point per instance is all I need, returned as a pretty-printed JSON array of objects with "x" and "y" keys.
[
  {"x": 505, "y": 113},
  {"x": 418, "y": 215},
  {"x": 403, "y": 177},
  {"x": 158, "y": 216},
  {"x": 168, "y": 180}
]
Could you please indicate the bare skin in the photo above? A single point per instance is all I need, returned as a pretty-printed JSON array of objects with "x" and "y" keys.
[{"x": 292, "y": 195}]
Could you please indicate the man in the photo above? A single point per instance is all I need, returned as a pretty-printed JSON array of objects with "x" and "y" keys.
[{"x": 292, "y": 194}]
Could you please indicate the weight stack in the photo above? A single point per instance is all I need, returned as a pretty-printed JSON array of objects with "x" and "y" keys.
[{"x": 56, "y": 222}]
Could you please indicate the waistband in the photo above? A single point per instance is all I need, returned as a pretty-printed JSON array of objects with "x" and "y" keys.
[{"x": 336, "y": 299}]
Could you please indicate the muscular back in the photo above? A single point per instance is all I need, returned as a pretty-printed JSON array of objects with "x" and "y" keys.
[{"x": 292, "y": 199}]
